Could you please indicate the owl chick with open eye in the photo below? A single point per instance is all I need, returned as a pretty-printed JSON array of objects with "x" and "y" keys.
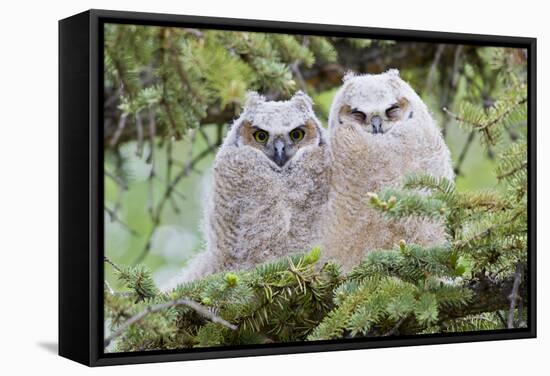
[
  {"x": 379, "y": 132},
  {"x": 270, "y": 187}
]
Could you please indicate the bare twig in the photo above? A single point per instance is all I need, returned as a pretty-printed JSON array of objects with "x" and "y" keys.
[
  {"x": 151, "y": 159},
  {"x": 433, "y": 67},
  {"x": 464, "y": 152},
  {"x": 139, "y": 130},
  {"x": 198, "y": 308},
  {"x": 295, "y": 68},
  {"x": 152, "y": 134},
  {"x": 119, "y": 130},
  {"x": 514, "y": 296},
  {"x": 114, "y": 218},
  {"x": 110, "y": 262},
  {"x": 121, "y": 183},
  {"x": 395, "y": 329},
  {"x": 211, "y": 146},
  {"x": 109, "y": 288},
  {"x": 118, "y": 202},
  {"x": 169, "y": 162},
  {"x": 450, "y": 91},
  {"x": 456, "y": 65},
  {"x": 185, "y": 171}
]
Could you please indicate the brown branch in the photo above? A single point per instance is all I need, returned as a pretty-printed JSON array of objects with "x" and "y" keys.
[
  {"x": 456, "y": 64},
  {"x": 199, "y": 309}
]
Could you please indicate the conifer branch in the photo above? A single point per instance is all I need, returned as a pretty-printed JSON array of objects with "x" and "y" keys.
[
  {"x": 201, "y": 310},
  {"x": 522, "y": 166}
]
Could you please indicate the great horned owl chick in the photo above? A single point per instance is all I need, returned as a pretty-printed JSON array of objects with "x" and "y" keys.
[
  {"x": 270, "y": 187},
  {"x": 379, "y": 132}
]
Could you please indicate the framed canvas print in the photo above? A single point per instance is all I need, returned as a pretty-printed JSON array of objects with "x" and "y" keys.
[{"x": 239, "y": 187}]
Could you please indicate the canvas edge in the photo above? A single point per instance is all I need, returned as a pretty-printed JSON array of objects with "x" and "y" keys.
[{"x": 95, "y": 263}]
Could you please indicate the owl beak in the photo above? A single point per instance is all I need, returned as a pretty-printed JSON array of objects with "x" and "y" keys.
[
  {"x": 280, "y": 157},
  {"x": 376, "y": 123}
]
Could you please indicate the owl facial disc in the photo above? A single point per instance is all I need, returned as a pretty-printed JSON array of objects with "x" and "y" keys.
[{"x": 375, "y": 121}]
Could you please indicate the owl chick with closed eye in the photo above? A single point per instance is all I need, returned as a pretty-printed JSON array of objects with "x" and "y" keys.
[
  {"x": 270, "y": 187},
  {"x": 379, "y": 132}
]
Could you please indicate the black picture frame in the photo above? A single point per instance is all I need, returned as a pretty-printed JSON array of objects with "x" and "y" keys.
[{"x": 81, "y": 185}]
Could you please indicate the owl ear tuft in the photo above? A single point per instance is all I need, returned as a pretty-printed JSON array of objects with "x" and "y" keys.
[
  {"x": 302, "y": 101},
  {"x": 394, "y": 80},
  {"x": 393, "y": 72},
  {"x": 348, "y": 75},
  {"x": 253, "y": 99}
]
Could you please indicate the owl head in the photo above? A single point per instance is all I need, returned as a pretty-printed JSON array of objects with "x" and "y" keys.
[
  {"x": 379, "y": 104},
  {"x": 280, "y": 130}
]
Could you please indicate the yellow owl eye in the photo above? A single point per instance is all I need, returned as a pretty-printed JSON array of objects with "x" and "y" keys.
[
  {"x": 297, "y": 134},
  {"x": 261, "y": 136}
]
